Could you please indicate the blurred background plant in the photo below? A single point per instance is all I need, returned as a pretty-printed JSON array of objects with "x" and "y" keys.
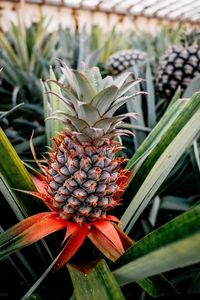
[
  {"x": 25, "y": 56},
  {"x": 165, "y": 184}
]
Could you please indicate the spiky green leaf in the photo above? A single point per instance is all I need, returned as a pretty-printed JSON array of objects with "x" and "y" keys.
[{"x": 94, "y": 281}]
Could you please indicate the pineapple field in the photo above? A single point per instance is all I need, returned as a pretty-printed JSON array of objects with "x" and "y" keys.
[{"x": 99, "y": 163}]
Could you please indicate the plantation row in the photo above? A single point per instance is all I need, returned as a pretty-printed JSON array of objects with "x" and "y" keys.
[{"x": 100, "y": 140}]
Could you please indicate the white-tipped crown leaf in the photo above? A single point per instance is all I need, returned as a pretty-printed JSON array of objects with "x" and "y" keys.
[
  {"x": 94, "y": 76},
  {"x": 80, "y": 124},
  {"x": 128, "y": 86},
  {"x": 65, "y": 101},
  {"x": 69, "y": 76},
  {"x": 104, "y": 99},
  {"x": 68, "y": 95},
  {"x": 119, "y": 80},
  {"x": 118, "y": 103},
  {"x": 88, "y": 113},
  {"x": 87, "y": 92}
]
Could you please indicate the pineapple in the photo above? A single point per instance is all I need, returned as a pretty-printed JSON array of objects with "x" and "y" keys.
[
  {"x": 178, "y": 67},
  {"x": 83, "y": 178},
  {"x": 122, "y": 60}
]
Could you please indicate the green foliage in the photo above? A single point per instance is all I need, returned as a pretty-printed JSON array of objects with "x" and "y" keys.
[
  {"x": 94, "y": 281},
  {"x": 172, "y": 243},
  {"x": 163, "y": 157},
  {"x": 165, "y": 168},
  {"x": 25, "y": 55}
]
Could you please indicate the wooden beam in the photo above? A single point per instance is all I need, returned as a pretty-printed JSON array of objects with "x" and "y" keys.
[{"x": 170, "y": 10}]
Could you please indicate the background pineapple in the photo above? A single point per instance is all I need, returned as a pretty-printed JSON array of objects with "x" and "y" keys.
[
  {"x": 179, "y": 66},
  {"x": 122, "y": 60}
]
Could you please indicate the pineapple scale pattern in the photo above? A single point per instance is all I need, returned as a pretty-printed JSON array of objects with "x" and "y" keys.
[
  {"x": 177, "y": 68},
  {"x": 83, "y": 179}
]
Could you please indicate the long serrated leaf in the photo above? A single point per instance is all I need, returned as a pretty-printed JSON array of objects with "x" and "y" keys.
[
  {"x": 25, "y": 146},
  {"x": 137, "y": 107},
  {"x": 195, "y": 160},
  {"x": 55, "y": 103},
  {"x": 158, "y": 131},
  {"x": 40, "y": 280},
  {"x": 69, "y": 96},
  {"x": 10, "y": 198},
  {"x": 93, "y": 58},
  {"x": 94, "y": 281},
  {"x": 18, "y": 34},
  {"x": 176, "y": 255},
  {"x": 162, "y": 159},
  {"x": 17, "y": 176},
  {"x": 6, "y": 45},
  {"x": 192, "y": 88},
  {"x": 7, "y": 113},
  {"x": 51, "y": 103},
  {"x": 180, "y": 229},
  {"x": 176, "y": 96},
  {"x": 69, "y": 76},
  {"x": 175, "y": 203},
  {"x": 157, "y": 285},
  {"x": 195, "y": 285},
  {"x": 151, "y": 108},
  {"x": 47, "y": 112}
]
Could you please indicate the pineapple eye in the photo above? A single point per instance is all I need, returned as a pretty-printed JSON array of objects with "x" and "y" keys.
[
  {"x": 59, "y": 178},
  {"x": 80, "y": 176},
  {"x": 70, "y": 184},
  {"x": 92, "y": 200},
  {"x": 90, "y": 186},
  {"x": 63, "y": 191},
  {"x": 68, "y": 209},
  {"x": 85, "y": 210},
  {"x": 94, "y": 173},
  {"x": 105, "y": 175},
  {"x": 73, "y": 201},
  {"x": 53, "y": 185},
  {"x": 60, "y": 198},
  {"x": 64, "y": 170},
  {"x": 101, "y": 188},
  {"x": 80, "y": 193}
]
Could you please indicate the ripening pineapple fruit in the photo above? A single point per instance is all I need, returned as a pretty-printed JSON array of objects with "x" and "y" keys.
[
  {"x": 122, "y": 60},
  {"x": 178, "y": 67},
  {"x": 83, "y": 179}
]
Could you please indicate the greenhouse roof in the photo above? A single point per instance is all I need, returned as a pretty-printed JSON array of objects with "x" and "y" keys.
[{"x": 182, "y": 10}]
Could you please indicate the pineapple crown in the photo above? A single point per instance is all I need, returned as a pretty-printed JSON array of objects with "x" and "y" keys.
[{"x": 91, "y": 102}]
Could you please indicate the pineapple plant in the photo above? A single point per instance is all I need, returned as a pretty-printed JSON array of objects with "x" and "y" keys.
[
  {"x": 171, "y": 246},
  {"x": 179, "y": 66},
  {"x": 124, "y": 59},
  {"x": 83, "y": 180}
]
